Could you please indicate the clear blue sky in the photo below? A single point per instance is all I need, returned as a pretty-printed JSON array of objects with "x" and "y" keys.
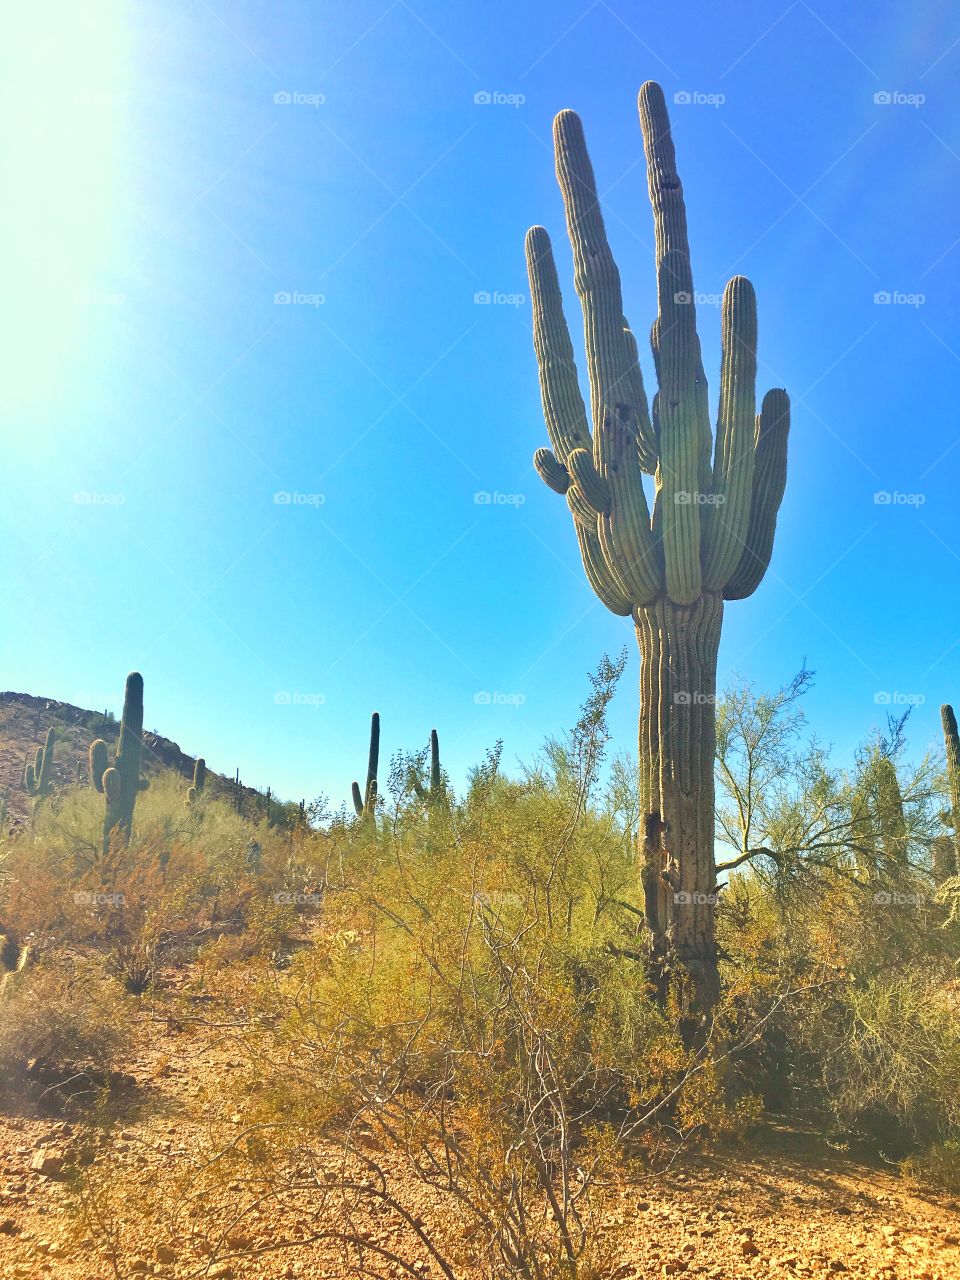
[{"x": 161, "y": 198}]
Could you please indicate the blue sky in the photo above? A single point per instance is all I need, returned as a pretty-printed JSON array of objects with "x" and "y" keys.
[{"x": 157, "y": 397}]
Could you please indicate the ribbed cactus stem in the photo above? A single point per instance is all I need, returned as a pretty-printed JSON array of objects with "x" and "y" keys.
[
  {"x": 199, "y": 775},
  {"x": 121, "y": 781},
  {"x": 436, "y": 776},
  {"x": 711, "y": 530},
  {"x": 37, "y": 774},
  {"x": 365, "y": 802},
  {"x": 97, "y": 761},
  {"x": 951, "y": 740}
]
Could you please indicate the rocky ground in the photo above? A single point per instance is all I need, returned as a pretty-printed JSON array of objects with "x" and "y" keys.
[{"x": 790, "y": 1206}]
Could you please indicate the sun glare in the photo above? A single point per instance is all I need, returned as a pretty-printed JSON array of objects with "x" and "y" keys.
[{"x": 67, "y": 95}]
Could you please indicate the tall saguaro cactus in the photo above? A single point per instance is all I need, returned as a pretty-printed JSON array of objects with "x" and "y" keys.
[
  {"x": 710, "y": 535},
  {"x": 436, "y": 792},
  {"x": 365, "y": 802},
  {"x": 951, "y": 740},
  {"x": 121, "y": 781}
]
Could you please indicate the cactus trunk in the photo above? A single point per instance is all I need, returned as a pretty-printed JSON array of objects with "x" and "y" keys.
[
  {"x": 678, "y": 650},
  {"x": 121, "y": 782}
]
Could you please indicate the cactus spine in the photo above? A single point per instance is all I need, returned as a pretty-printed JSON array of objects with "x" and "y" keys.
[
  {"x": 120, "y": 782},
  {"x": 36, "y": 773},
  {"x": 365, "y": 802},
  {"x": 951, "y": 867},
  {"x": 711, "y": 532}
]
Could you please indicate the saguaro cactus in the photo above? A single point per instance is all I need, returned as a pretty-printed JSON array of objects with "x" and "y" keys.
[
  {"x": 436, "y": 791},
  {"x": 36, "y": 773},
  {"x": 951, "y": 740},
  {"x": 712, "y": 527},
  {"x": 121, "y": 781},
  {"x": 199, "y": 780},
  {"x": 365, "y": 802}
]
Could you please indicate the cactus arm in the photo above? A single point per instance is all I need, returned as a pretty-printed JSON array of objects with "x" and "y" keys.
[
  {"x": 727, "y": 519},
  {"x": 563, "y": 408},
  {"x": 684, "y": 432},
  {"x": 663, "y": 181},
  {"x": 769, "y": 482},
  {"x": 97, "y": 763},
  {"x": 592, "y": 487},
  {"x": 436, "y": 776},
  {"x": 553, "y": 473},
  {"x": 357, "y": 799},
  {"x": 647, "y": 448},
  {"x": 625, "y": 535}
]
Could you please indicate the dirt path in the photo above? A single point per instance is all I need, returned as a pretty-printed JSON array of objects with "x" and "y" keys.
[{"x": 790, "y": 1208}]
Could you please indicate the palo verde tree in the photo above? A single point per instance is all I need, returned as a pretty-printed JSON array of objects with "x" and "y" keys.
[{"x": 710, "y": 535}]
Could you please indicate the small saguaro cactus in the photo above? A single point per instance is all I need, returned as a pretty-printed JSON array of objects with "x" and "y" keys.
[
  {"x": 120, "y": 782},
  {"x": 711, "y": 532},
  {"x": 365, "y": 802},
  {"x": 36, "y": 773},
  {"x": 199, "y": 780},
  {"x": 951, "y": 740},
  {"x": 435, "y": 793}
]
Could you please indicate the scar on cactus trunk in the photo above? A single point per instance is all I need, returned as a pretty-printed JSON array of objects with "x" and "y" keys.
[{"x": 709, "y": 537}]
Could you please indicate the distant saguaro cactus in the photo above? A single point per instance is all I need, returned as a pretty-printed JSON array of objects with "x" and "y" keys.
[
  {"x": 37, "y": 773},
  {"x": 712, "y": 528},
  {"x": 365, "y": 802},
  {"x": 199, "y": 780},
  {"x": 121, "y": 781},
  {"x": 437, "y": 790},
  {"x": 951, "y": 740}
]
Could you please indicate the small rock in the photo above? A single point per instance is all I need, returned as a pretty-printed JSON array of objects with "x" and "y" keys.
[{"x": 47, "y": 1163}]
